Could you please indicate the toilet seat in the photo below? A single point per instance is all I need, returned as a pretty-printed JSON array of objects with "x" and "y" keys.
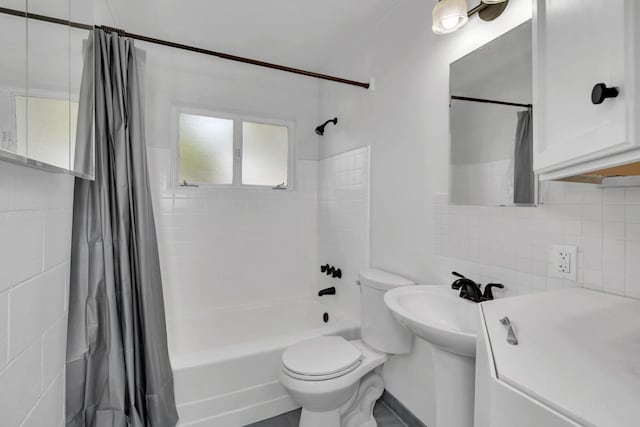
[{"x": 321, "y": 358}]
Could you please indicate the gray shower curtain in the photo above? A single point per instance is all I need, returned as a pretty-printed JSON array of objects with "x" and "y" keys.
[
  {"x": 118, "y": 371},
  {"x": 524, "y": 179}
]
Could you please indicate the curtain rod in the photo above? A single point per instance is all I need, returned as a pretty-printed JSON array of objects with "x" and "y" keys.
[
  {"x": 490, "y": 101},
  {"x": 203, "y": 51}
]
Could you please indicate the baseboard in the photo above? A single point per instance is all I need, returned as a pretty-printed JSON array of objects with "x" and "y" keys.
[{"x": 401, "y": 411}]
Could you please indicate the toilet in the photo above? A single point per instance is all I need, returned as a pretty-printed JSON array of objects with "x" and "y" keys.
[{"x": 336, "y": 381}]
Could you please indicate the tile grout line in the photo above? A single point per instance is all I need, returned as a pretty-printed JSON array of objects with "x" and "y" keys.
[
  {"x": 43, "y": 392},
  {"x": 17, "y": 356},
  {"x": 30, "y": 279},
  {"x": 8, "y": 355}
]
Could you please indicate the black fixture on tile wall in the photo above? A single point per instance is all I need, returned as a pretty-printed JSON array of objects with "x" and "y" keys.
[
  {"x": 327, "y": 291},
  {"x": 330, "y": 270}
]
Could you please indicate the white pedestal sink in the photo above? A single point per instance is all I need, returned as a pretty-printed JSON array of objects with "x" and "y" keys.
[{"x": 438, "y": 315}]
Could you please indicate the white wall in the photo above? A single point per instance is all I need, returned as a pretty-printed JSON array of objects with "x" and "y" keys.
[
  {"x": 35, "y": 239},
  {"x": 343, "y": 225},
  {"x": 406, "y": 122},
  {"x": 224, "y": 247},
  {"x": 413, "y": 230}
]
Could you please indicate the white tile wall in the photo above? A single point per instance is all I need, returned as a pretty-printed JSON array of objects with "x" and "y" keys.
[
  {"x": 35, "y": 237},
  {"x": 222, "y": 248},
  {"x": 343, "y": 224},
  {"x": 509, "y": 245}
]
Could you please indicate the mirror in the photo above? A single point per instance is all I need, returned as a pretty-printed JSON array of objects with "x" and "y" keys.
[
  {"x": 491, "y": 156},
  {"x": 48, "y": 118},
  {"x": 13, "y": 77},
  {"x": 41, "y": 86}
]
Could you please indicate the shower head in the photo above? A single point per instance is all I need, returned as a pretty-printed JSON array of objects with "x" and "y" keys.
[{"x": 320, "y": 129}]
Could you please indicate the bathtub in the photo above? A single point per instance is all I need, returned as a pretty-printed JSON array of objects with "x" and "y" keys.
[{"x": 225, "y": 362}]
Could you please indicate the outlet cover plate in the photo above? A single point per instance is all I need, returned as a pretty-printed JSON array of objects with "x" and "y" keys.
[{"x": 562, "y": 262}]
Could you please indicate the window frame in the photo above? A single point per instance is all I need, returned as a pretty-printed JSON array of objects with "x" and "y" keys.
[{"x": 238, "y": 149}]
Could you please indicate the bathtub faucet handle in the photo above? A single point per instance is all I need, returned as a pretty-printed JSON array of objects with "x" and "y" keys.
[
  {"x": 331, "y": 270},
  {"x": 337, "y": 274},
  {"x": 324, "y": 268}
]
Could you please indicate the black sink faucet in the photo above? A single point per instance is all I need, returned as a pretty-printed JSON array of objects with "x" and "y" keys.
[
  {"x": 473, "y": 291},
  {"x": 488, "y": 293},
  {"x": 468, "y": 288}
]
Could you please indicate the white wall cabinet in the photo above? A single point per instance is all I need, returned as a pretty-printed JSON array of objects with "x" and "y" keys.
[{"x": 577, "y": 45}]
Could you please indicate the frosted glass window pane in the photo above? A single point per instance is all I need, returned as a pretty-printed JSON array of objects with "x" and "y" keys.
[
  {"x": 265, "y": 154},
  {"x": 44, "y": 128},
  {"x": 206, "y": 149}
]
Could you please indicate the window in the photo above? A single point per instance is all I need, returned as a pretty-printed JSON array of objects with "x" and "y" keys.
[
  {"x": 206, "y": 149},
  {"x": 265, "y": 156},
  {"x": 232, "y": 151}
]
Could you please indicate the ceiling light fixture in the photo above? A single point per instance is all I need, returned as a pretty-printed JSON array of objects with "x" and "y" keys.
[{"x": 451, "y": 15}]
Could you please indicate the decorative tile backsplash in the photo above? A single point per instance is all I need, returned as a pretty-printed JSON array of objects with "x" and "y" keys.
[{"x": 510, "y": 245}]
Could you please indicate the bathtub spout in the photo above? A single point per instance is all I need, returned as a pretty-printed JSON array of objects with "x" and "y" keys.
[{"x": 328, "y": 291}]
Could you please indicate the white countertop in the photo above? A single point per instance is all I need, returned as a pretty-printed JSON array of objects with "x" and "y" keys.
[{"x": 578, "y": 353}]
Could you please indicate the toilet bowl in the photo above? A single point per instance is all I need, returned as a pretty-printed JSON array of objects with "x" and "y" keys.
[
  {"x": 327, "y": 398},
  {"x": 336, "y": 381}
]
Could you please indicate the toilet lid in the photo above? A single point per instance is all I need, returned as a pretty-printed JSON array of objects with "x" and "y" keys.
[{"x": 321, "y": 356}]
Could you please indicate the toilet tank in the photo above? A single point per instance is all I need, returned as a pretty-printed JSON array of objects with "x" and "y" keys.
[{"x": 379, "y": 329}]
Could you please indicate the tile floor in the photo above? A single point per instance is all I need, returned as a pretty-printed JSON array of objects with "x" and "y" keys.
[{"x": 383, "y": 415}]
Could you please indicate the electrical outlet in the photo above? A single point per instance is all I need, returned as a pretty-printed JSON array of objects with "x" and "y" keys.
[{"x": 563, "y": 262}]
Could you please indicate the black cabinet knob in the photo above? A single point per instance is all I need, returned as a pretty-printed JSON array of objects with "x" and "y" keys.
[{"x": 601, "y": 92}]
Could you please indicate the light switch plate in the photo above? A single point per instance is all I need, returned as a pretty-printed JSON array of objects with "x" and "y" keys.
[{"x": 562, "y": 262}]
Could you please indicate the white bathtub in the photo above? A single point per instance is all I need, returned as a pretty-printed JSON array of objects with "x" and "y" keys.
[{"x": 225, "y": 362}]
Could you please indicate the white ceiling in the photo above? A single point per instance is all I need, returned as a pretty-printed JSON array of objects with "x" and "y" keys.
[{"x": 297, "y": 33}]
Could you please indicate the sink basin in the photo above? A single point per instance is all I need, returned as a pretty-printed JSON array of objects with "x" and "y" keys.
[{"x": 438, "y": 315}]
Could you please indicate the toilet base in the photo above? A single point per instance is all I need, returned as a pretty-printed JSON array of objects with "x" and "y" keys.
[{"x": 357, "y": 412}]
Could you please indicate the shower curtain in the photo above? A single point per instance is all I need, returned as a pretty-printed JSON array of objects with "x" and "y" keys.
[
  {"x": 524, "y": 182},
  {"x": 118, "y": 371}
]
